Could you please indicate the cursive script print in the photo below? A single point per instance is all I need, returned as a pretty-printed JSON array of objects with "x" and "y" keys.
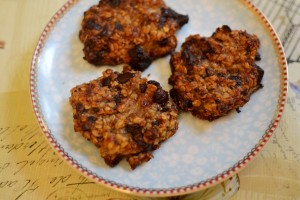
[
  {"x": 29, "y": 168},
  {"x": 28, "y": 145}
]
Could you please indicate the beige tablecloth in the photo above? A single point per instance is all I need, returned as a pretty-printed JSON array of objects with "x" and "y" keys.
[{"x": 29, "y": 167}]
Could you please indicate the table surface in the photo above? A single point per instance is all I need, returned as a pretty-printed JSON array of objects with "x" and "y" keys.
[{"x": 30, "y": 169}]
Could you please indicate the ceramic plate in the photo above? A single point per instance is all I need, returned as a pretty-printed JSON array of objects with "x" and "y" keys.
[{"x": 201, "y": 153}]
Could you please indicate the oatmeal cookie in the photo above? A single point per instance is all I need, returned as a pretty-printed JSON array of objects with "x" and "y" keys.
[
  {"x": 124, "y": 115},
  {"x": 133, "y": 32},
  {"x": 213, "y": 75}
]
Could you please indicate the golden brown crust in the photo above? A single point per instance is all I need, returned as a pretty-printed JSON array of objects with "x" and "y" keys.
[
  {"x": 211, "y": 76},
  {"x": 124, "y": 115},
  {"x": 133, "y": 32}
]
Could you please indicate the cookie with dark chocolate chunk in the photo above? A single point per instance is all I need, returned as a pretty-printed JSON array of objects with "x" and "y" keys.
[
  {"x": 213, "y": 75},
  {"x": 130, "y": 32},
  {"x": 124, "y": 115}
]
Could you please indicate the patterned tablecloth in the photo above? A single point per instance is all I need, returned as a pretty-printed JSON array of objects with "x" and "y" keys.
[{"x": 30, "y": 169}]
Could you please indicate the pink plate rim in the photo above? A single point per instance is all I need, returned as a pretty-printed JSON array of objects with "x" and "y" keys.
[{"x": 169, "y": 191}]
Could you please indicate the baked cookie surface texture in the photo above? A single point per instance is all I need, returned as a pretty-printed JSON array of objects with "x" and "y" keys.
[
  {"x": 213, "y": 75},
  {"x": 133, "y": 32},
  {"x": 124, "y": 115}
]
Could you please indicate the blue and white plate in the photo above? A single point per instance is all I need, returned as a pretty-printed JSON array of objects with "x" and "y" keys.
[{"x": 201, "y": 154}]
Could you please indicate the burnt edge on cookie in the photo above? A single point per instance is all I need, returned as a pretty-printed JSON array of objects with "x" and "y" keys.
[
  {"x": 130, "y": 32},
  {"x": 124, "y": 115},
  {"x": 213, "y": 75}
]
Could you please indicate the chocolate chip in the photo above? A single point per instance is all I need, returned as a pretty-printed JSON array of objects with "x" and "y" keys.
[
  {"x": 161, "y": 22},
  {"x": 189, "y": 79},
  {"x": 157, "y": 84},
  {"x": 205, "y": 47},
  {"x": 261, "y": 73},
  {"x": 226, "y": 28},
  {"x": 118, "y": 88},
  {"x": 237, "y": 79},
  {"x": 160, "y": 96},
  {"x": 118, "y": 98},
  {"x": 197, "y": 89},
  {"x": 165, "y": 109},
  {"x": 188, "y": 56},
  {"x": 113, "y": 162},
  {"x": 91, "y": 24},
  {"x": 124, "y": 77},
  {"x": 96, "y": 110},
  {"x": 195, "y": 51},
  {"x": 104, "y": 32},
  {"x": 140, "y": 60},
  {"x": 114, "y": 3},
  {"x": 257, "y": 57},
  {"x": 192, "y": 58},
  {"x": 171, "y": 80},
  {"x": 88, "y": 91},
  {"x": 238, "y": 110},
  {"x": 145, "y": 103},
  {"x": 182, "y": 20},
  {"x": 79, "y": 108},
  {"x": 106, "y": 81},
  {"x": 91, "y": 119},
  {"x": 219, "y": 74},
  {"x": 207, "y": 72},
  {"x": 86, "y": 127},
  {"x": 143, "y": 87},
  {"x": 223, "y": 107},
  {"x": 168, "y": 13},
  {"x": 151, "y": 135},
  {"x": 248, "y": 49},
  {"x": 139, "y": 139},
  {"x": 133, "y": 128},
  {"x": 244, "y": 92},
  {"x": 174, "y": 95},
  {"x": 156, "y": 123},
  {"x": 136, "y": 131},
  {"x": 95, "y": 57},
  {"x": 118, "y": 26},
  {"x": 76, "y": 116},
  {"x": 187, "y": 105},
  {"x": 164, "y": 42}
]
